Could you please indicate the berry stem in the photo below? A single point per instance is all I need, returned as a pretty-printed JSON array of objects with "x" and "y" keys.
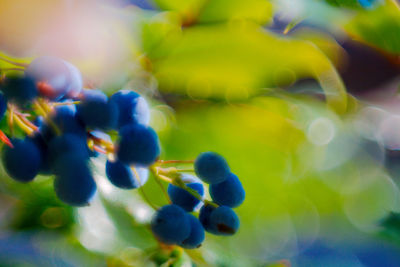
[
  {"x": 174, "y": 161},
  {"x": 28, "y": 130},
  {"x": 185, "y": 170},
  {"x": 144, "y": 195},
  {"x": 65, "y": 103},
  {"x": 10, "y": 119},
  {"x": 41, "y": 110}
]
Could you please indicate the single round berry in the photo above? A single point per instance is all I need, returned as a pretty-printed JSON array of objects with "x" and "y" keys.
[
  {"x": 196, "y": 236},
  {"x": 229, "y": 192},
  {"x": 121, "y": 175},
  {"x": 76, "y": 82},
  {"x": 183, "y": 198},
  {"x": 171, "y": 224},
  {"x": 19, "y": 89},
  {"x": 133, "y": 109},
  {"x": 138, "y": 145},
  {"x": 96, "y": 111},
  {"x": 3, "y": 105},
  {"x": 74, "y": 182},
  {"x": 22, "y": 162},
  {"x": 224, "y": 221},
  {"x": 211, "y": 167},
  {"x": 204, "y": 218},
  {"x": 52, "y": 76}
]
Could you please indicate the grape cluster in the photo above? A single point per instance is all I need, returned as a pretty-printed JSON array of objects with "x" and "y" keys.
[
  {"x": 72, "y": 124},
  {"x": 173, "y": 223}
]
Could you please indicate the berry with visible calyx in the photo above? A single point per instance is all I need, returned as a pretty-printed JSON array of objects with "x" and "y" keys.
[
  {"x": 229, "y": 192},
  {"x": 211, "y": 167},
  {"x": 74, "y": 183},
  {"x": 138, "y": 145},
  {"x": 171, "y": 224},
  {"x": 224, "y": 221},
  {"x": 22, "y": 161},
  {"x": 96, "y": 111},
  {"x": 52, "y": 76},
  {"x": 196, "y": 236},
  {"x": 133, "y": 108},
  {"x": 183, "y": 198},
  {"x": 19, "y": 89}
]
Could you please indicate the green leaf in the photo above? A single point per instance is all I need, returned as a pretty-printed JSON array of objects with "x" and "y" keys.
[
  {"x": 379, "y": 27},
  {"x": 236, "y": 61},
  {"x": 207, "y": 11}
]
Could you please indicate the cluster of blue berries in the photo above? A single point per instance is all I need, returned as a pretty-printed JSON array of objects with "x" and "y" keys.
[
  {"x": 173, "y": 223},
  {"x": 71, "y": 124}
]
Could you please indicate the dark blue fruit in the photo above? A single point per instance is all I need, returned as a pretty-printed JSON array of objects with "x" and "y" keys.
[
  {"x": 97, "y": 112},
  {"x": 224, "y": 221},
  {"x": 3, "y": 105},
  {"x": 41, "y": 144},
  {"x": 170, "y": 224},
  {"x": 228, "y": 193},
  {"x": 22, "y": 162},
  {"x": 121, "y": 175},
  {"x": 196, "y": 236},
  {"x": 74, "y": 182},
  {"x": 19, "y": 89},
  {"x": 133, "y": 109},
  {"x": 211, "y": 167},
  {"x": 52, "y": 75},
  {"x": 138, "y": 145},
  {"x": 66, "y": 120},
  {"x": 183, "y": 198},
  {"x": 204, "y": 218},
  {"x": 67, "y": 144}
]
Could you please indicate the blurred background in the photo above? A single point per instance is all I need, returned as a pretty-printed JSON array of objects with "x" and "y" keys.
[{"x": 301, "y": 97}]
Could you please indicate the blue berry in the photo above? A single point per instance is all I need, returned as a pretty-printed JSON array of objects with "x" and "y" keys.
[
  {"x": 170, "y": 224},
  {"x": 138, "y": 145},
  {"x": 67, "y": 144},
  {"x": 204, "y": 218},
  {"x": 67, "y": 121},
  {"x": 196, "y": 236},
  {"x": 183, "y": 198},
  {"x": 41, "y": 144},
  {"x": 22, "y": 162},
  {"x": 121, "y": 175},
  {"x": 74, "y": 182},
  {"x": 224, "y": 221},
  {"x": 19, "y": 89},
  {"x": 54, "y": 73},
  {"x": 228, "y": 193},
  {"x": 76, "y": 82},
  {"x": 133, "y": 109},
  {"x": 211, "y": 167},
  {"x": 96, "y": 111},
  {"x": 3, "y": 105}
]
